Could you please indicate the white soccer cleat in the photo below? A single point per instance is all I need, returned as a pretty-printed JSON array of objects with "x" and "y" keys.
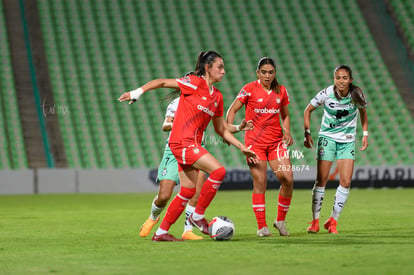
[
  {"x": 264, "y": 232},
  {"x": 281, "y": 226}
]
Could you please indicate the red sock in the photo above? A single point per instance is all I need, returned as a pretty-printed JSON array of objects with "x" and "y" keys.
[
  {"x": 176, "y": 207},
  {"x": 209, "y": 190},
  {"x": 282, "y": 207},
  {"x": 259, "y": 209}
]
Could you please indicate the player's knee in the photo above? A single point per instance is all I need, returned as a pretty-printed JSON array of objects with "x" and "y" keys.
[
  {"x": 187, "y": 193},
  {"x": 218, "y": 174},
  {"x": 163, "y": 198}
]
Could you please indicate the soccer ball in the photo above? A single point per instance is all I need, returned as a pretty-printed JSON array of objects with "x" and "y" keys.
[{"x": 221, "y": 228}]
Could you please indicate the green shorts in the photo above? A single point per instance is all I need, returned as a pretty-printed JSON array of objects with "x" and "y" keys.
[
  {"x": 329, "y": 150},
  {"x": 168, "y": 169}
]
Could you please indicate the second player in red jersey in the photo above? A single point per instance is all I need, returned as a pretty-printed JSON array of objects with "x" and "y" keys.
[
  {"x": 263, "y": 107},
  {"x": 266, "y": 103}
]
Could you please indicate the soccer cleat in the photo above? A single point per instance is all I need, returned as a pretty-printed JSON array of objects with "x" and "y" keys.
[
  {"x": 165, "y": 238},
  {"x": 189, "y": 235},
  {"x": 264, "y": 232},
  {"x": 330, "y": 225},
  {"x": 201, "y": 225},
  {"x": 147, "y": 227},
  {"x": 281, "y": 226},
  {"x": 314, "y": 227}
]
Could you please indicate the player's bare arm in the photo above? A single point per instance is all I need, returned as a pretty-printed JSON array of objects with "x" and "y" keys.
[
  {"x": 230, "y": 116},
  {"x": 308, "y": 142},
  {"x": 364, "y": 122},
  {"x": 134, "y": 95},
  {"x": 220, "y": 129},
  {"x": 287, "y": 138},
  {"x": 167, "y": 125},
  {"x": 233, "y": 109},
  {"x": 243, "y": 126}
]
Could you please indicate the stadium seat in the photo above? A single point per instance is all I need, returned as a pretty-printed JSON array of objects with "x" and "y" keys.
[
  {"x": 98, "y": 49},
  {"x": 13, "y": 153}
]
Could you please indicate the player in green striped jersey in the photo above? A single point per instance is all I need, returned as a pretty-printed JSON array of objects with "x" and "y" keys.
[{"x": 341, "y": 102}]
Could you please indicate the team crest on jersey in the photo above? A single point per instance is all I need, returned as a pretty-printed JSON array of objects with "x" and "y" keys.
[
  {"x": 187, "y": 79},
  {"x": 278, "y": 100},
  {"x": 243, "y": 93}
]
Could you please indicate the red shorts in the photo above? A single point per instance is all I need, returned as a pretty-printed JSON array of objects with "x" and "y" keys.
[
  {"x": 278, "y": 150},
  {"x": 186, "y": 156}
]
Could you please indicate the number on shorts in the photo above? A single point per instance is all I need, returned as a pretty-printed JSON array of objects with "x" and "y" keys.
[{"x": 322, "y": 141}]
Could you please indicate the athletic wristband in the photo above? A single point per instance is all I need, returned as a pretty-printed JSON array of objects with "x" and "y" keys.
[
  {"x": 238, "y": 128},
  {"x": 135, "y": 94},
  {"x": 365, "y": 133},
  {"x": 307, "y": 132}
]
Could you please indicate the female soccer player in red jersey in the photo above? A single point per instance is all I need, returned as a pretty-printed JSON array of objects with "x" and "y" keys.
[
  {"x": 200, "y": 102},
  {"x": 264, "y": 100}
]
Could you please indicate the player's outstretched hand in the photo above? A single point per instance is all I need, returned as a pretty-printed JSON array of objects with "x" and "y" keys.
[
  {"x": 125, "y": 97},
  {"x": 246, "y": 125},
  {"x": 287, "y": 139},
  {"x": 251, "y": 155},
  {"x": 364, "y": 143},
  {"x": 308, "y": 142},
  {"x": 132, "y": 96}
]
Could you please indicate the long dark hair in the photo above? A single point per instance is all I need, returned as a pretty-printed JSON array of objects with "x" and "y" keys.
[
  {"x": 356, "y": 92},
  {"x": 204, "y": 58},
  {"x": 275, "y": 86}
]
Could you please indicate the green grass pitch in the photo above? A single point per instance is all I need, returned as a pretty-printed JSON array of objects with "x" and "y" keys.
[{"x": 98, "y": 234}]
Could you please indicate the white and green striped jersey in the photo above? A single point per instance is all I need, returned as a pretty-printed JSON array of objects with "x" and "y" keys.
[
  {"x": 339, "y": 121},
  {"x": 171, "y": 110}
]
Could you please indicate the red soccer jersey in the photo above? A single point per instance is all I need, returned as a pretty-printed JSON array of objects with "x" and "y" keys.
[
  {"x": 263, "y": 109},
  {"x": 197, "y": 107}
]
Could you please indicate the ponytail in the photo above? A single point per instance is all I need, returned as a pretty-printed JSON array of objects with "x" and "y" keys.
[
  {"x": 356, "y": 92},
  {"x": 357, "y": 95}
]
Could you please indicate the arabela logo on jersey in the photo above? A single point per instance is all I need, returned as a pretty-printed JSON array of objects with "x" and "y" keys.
[
  {"x": 267, "y": 111},
  {"x": 205, "y": 110}
]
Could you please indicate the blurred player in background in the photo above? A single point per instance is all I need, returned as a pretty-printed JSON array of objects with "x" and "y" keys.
[
  {"x": 168, "y": 178},
  {"x": 200, "y": 102},
  {"x": 266, "y": 102},
  {"x": 341, "y": 102}
]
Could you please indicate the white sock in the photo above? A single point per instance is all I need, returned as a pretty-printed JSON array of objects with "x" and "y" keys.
[
  {"x": 197, "y": 217},
  {"x": 155, "y": 210},
  {"x": 160, "y": 231},
  {"x": 188, "y": 210},
  {"x": 318, "y": 194},
  {"x": 341, "y": 196}
]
